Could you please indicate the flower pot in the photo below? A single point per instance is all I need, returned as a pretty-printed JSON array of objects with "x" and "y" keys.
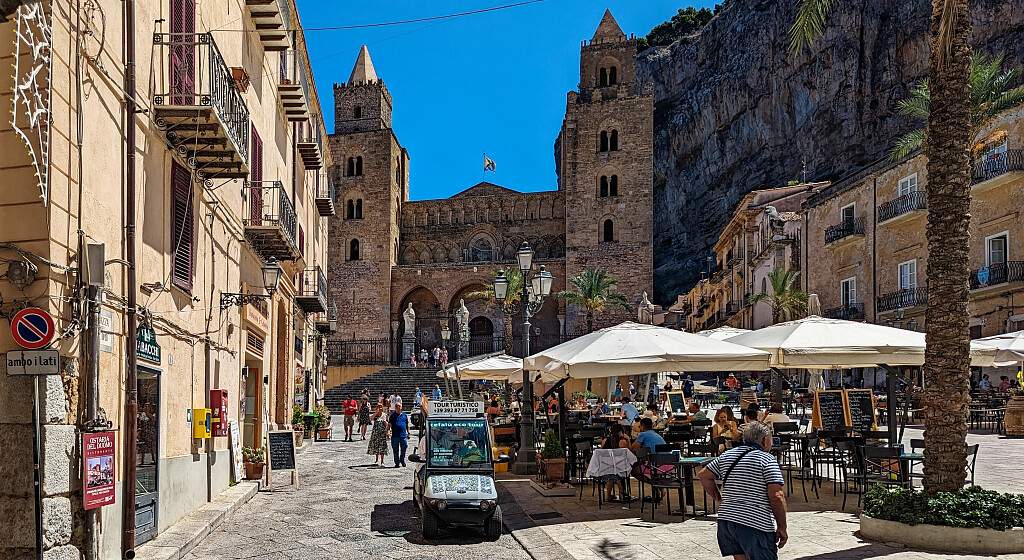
[
  {"x": 554, "y": 469},
  {"x": 323, "y": 434},
  {"x": 254, "y": 471},
  {"x": 298, "y": 438},
  {"x": 1014, "y": 419}
]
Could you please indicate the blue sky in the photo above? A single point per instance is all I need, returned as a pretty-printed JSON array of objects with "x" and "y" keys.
[{"x": 494, "y": 82}]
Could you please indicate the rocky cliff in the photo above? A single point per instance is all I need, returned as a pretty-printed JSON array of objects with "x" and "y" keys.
[{"x": 736, "y": 112}]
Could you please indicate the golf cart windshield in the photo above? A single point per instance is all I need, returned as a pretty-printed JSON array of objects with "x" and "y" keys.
[{"x": 458, "y": 442}]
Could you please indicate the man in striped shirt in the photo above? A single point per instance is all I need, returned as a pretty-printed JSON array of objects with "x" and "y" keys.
[{"x": 752, "y": 514}]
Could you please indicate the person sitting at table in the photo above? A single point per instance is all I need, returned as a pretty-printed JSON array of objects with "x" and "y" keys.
[
  {"x": 775, "y": 414},
  {"x": 553, "y": 405},
  {"x": 695, "y": 415},
  {"x": 600, "y": 408},
  {"x": 493, "y": 409},
  {"x": 985, "y": 384},
  {"x": 616, "y": 439},
  {"x": 725, "y": 428},
  {"x": 629, "y": 412},
  {"x": 1004, "y": 383},
  {"x": 648, "y": 437},
  {"x": 751, "y": 413}
]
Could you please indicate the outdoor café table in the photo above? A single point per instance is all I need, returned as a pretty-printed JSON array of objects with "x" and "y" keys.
[
  {"x": 907, "y": 460},
  {"x": 607, "y": 463},
  {"x": 689, "y": 465}
]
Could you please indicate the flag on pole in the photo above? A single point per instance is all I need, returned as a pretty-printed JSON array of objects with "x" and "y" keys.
[{"x": 488, "y": 163}]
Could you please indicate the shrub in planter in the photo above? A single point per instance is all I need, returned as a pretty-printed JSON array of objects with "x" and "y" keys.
[
  {"x": 553, "y": 456},
  {"x": 254, "y": 460},
  {"x": 968, "y": 508}
]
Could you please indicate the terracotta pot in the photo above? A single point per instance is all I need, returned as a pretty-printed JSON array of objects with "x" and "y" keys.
[
  {"x": 554, "y": 469},
  {"x": 254, "y": 471},
  {"x": 298, "y": 438},
  {"x": 323, "y": 434},
  {"x": 1014, "y": 419}
]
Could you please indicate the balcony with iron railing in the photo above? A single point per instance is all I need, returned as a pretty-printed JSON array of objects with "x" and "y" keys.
[
  {"x": 849, "y": 312},
  {"x": 845, "y": 230},
  {"x": 311, "y": 145},
  {"x": 292, "y": 89},
  {"x": 325, "y": 197},
  {"x": 327, "y": 321},
  {"x": 270, "y": 222},
  {"x": 733, "y": 307},
  {"x": 993, "y": 275},
  {"x": 197, "y": 105},
  {"x": 271, "y": 18},
  {"x": 906, "y": 206},
  {"x": 311, "y": 290},
  {"x": 997, "y": 169},
  {"x": 902, "y": 299}
]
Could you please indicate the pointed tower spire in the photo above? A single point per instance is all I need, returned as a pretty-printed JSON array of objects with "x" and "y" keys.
[
  {"x": 608, "y": 31},
  {"x": 363, "y": 72}
]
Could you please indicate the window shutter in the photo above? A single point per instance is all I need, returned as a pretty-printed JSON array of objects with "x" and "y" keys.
[{"x": 182, "y": 230}]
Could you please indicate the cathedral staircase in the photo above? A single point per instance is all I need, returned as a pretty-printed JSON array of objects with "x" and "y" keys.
[{"x": 402, "y": 380}]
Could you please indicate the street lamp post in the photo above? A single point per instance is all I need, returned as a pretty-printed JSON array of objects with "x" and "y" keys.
[
  {"x": 446, "y": 334},
  {"x": 535, "y": 290}
]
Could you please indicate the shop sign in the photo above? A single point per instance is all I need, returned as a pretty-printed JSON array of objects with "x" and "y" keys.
[
  {"x": 98, "y": 459},
  {"x": 146, "y": 346},
  {"x": 461, "y": 409}
]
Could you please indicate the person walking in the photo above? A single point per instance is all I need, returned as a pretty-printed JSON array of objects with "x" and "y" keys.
[
  {"x": 687, "y": 389},
  {"x": 752, "y": 514},
  {"x": 398, "y": 427},
  {"x": 444, "y": 357},
  {"x": 364, "y": 415},
  {"x": 349, "y": 407},
  {"x": 378, "y": 446},
  {"x": 394, "y": 402},
  {"x": 436, "y": 394},
  {"x": 419, "y": 396},
  {"x": 435, "y": 356}
]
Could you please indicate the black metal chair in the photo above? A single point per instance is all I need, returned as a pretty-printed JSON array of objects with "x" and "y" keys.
[
  {"x": 972, "y": 455},
  {"x": 661, "y": 481}
]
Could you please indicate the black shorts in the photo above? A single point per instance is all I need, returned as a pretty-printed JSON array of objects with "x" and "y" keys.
[{"x": 755, "y": 544}]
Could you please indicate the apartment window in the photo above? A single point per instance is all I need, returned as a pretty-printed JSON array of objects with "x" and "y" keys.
[
  {"x": 848, "y": 291},
  {"x": 907, "y": 185},
  {"x": 996, "y": 248},
  {"x": 908, "y": 275},
  {"x": 847, "y": 213},
  {"x": 183, "y": 249}
]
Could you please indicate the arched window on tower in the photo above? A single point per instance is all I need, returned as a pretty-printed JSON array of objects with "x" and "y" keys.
[
  {"x": 353, "y": 250},
  {"x": 613, "y": 146},
  {"x": 351, "y": 168},
  {"x": 603, "y": 144},
  {"x": 359, "y": 209},
  {"x": 602, "y": 190},
  {"x": 357, "y": 112},
  {"x": 350, "y": 209},
  {"x": 608, "y": 233},
  {"x": 602, "y": 79},
  {"x": 613, "y": 186},
  {"x": 359, "y": 159},
  {"x": 612, "y": 76}
]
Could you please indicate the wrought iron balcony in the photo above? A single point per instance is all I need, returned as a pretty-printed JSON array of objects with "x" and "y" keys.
[
  {"x": 845, "y": 229},
  {"x": 902, "y": 206},
  {"x": 198, "y": 107},
  {"x": 997, "y": 169},
  {"x": 311, "y": 290},
  {"x": 902, "y": 299},
  {"x": 270, "y": 222},
  {"x": 1011, "y": 271},
  {"x": 733, "y": 307},
  {"x": 271, "y": 19},
  {"x": 850, "y": 312},
  {"x": 327, "y": 322},
  {"x": 311, "y": 146},
  {"x": 325, "y": 197},
  {"x": 292, "y": 88}
]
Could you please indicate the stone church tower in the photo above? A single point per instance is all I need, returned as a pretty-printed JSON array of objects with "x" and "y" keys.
[
  {"x": 604, "y": 158},
  {"x": 371, "y": 183}
]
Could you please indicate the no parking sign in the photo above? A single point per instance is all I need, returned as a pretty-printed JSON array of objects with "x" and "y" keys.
[{"x": 32, "y": 328}]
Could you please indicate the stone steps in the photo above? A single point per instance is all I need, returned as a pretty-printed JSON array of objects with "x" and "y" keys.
[{"x": 401, "y": 380}]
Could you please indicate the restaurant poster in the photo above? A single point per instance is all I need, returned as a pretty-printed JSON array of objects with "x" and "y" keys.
[{"x": 98, "y": 460}]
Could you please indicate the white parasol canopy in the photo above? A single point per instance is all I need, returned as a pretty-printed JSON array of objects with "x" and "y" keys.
[
  {"x": 722, "y": 333},
  {"x": 501, "y": 367},
  {"x": 1010, "y": 347},
  {"x": 633, "y": 349},
  {"x": 817, "y": 342}
]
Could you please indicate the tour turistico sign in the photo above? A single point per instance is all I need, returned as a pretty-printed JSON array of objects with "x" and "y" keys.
[{"x": 146, "y": 346}]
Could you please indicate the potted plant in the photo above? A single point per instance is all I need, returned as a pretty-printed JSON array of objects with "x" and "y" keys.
[
  {"x": 1013, "y": 420},
  {"x": 323, "y": 422},
  {"x": 298, "y": 424},
  {"x": 254, "y": 461},
  {"x": 553, "y": 457},
  {"x": 299, "y": 431}
]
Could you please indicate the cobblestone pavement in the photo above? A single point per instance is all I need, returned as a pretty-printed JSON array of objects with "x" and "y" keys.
[{"x": 343, "y": 508}]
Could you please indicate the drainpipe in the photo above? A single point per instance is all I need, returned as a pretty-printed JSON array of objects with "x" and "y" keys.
[
  {"x": 874, "y": 252},
  {"x": 131, "y": 405}
]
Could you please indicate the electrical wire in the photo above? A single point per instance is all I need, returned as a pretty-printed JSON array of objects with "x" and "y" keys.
[{"x": 423, "y": 19}]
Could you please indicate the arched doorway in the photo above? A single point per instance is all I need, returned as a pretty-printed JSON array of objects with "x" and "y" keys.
[{"x": 481, "y": 336}]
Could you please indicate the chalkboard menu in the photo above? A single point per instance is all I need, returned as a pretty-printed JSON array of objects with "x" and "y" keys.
[
  {"x": 829, "y": 410},
  {"x": 676, "y": 402},
  {"x": 282, "y": 450},
  {"x": 862, "y": 409}
]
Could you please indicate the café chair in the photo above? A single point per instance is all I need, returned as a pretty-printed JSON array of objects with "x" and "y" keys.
[
  {"x": 972, "y": 454},
  {"x": 662, "y": 480}
]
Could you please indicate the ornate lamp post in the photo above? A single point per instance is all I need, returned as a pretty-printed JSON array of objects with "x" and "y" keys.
[{"x": 535, "y": 291}]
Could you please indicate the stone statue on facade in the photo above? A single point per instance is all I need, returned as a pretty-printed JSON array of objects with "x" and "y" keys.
[
  {"x": 410, "y": 320},
  {"x": 462, "y": 322},
  {"x": 645, "y": 311}
]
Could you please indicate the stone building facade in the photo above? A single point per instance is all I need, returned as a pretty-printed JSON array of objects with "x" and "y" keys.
[{"x": 387, "y": 251}]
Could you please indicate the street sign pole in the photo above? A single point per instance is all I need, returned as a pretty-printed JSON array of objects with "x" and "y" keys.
[{"x": 36, "y": 475}]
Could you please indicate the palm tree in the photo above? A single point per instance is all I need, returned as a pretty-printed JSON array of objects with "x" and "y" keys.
[
  {"x": 594, "y": 292},
  {"x": 947, "y": 354},
  {"x": 785, "y": 299},
  {"x": 993, "y": 91},
  {"x": 510, "y": 306}
]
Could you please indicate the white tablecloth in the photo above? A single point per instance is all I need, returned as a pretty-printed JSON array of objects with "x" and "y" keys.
[{"x": 607, "y": 462}]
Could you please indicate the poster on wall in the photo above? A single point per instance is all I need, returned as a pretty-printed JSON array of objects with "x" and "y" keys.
[{"x": 98, "y": 460}]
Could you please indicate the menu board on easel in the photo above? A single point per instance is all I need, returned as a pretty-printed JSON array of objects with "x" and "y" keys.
[
  {"x": 860, "y": 404},
  {"x": 281, "y": 454},
  {"x": 677, "y": 402},
  {"x": 829, "y": 411}
]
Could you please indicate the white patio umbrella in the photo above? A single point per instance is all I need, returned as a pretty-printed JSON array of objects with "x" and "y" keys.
[
  {"x": 722, "y": 333},
  {"x": 1010, "y": 347},
  {"x": 820, "y": 343},
  {"x": 501, "y": 367},
  {"x": 634, "y": 349}
]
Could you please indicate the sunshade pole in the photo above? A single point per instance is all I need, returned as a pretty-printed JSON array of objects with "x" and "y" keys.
[
  {"x": 458, "y": 381},
  {"x": 561, "y": 426},
  {"x": 890, "y": 397}
]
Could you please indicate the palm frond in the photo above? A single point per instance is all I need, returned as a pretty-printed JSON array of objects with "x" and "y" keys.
[
  {"x": 1007, "y": 100},
  {"x": 907, "y": 143},
  {"x": 918, "y": 104},
  {"x": 811, "y": 17}
]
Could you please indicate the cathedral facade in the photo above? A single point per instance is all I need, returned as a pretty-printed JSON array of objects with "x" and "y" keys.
[{"x": 387, "y": 251}]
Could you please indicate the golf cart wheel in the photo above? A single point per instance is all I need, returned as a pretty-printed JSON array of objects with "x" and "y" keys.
[
  {"x": 493, "y": 526},
  {"x": 430, "y": 524}
]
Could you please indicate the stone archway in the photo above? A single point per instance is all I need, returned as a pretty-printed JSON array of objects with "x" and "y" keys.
[{"x": 481, "y": 335}]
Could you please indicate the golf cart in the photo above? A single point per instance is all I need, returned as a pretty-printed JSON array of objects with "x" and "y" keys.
[{"x": 454, "y": 480}]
